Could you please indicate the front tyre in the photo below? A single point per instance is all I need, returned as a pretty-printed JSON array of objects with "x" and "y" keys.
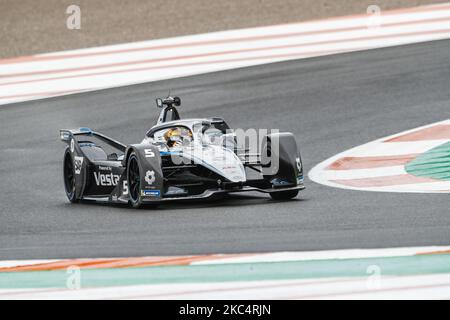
[
  {"x": 284, "y": 195},
  {"x": 69, "y": 177},
  {"x": 134, "y": 181}
]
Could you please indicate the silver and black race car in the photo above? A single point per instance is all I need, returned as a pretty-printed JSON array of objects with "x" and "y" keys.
[{"x": 179, "y": 159}]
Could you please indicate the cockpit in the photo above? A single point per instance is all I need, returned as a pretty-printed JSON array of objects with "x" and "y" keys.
[{"x": 172, "y": 132}]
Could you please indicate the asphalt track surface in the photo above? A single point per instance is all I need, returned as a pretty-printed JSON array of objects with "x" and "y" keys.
[{"x": 330, "y": 103}]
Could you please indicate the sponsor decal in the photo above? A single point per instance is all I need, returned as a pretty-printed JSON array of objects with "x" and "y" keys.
[
  {"x": 150, "y": 177},
  {"x": 151, "y": 193},
  {"x": 72, "y": 145},
  {"x": 176, "y": 191},
  {"x": 106, "y": 180},
  {"x": 280, "y": 182},
  {"x": 78, "y": 163},
  {"x": 105, "y": 168},
  {"x": 299, "y": 171},
  {"x": 299, "y": 164}
]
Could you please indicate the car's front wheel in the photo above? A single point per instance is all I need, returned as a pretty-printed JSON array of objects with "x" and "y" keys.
[{"x": 134, "y": 180}]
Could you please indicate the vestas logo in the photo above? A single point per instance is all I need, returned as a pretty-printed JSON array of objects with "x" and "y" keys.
[{"x": 106, "y": 180}]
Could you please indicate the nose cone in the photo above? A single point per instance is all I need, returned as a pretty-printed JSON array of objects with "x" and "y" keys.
[{"x": 221, "y": 161}]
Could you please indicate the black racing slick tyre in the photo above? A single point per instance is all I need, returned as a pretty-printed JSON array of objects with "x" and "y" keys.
[
  {"x": 69, "y": 177},
  {"x": 134, "y": 180},
  {"x": 284, "y": 195}
]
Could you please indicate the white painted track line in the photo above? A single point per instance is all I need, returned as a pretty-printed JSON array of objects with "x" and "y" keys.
[{"x": 401, "y": 181}]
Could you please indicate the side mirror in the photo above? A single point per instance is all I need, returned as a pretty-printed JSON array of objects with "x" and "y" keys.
[
  {"x": 159, "y": 103},
  {"x": 177, "y": 101}
]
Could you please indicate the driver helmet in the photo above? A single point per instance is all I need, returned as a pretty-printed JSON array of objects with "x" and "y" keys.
[{"x": 176, "y": 136}]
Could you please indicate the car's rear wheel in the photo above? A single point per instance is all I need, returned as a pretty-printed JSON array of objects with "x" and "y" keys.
[
  {"x": 284, "y": 195},
  {"x": 134, "y": 181},
  {"x": 69, "y": 177}
]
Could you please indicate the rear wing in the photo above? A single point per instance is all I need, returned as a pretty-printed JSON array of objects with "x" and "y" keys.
[{"x": 66, "y": 135}]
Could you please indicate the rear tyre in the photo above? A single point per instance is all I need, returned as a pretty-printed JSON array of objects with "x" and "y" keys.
[
  {"x": 134, "y": 181},
  {"x": 69, "y": 177},
  {"x": 284, "y": 195}
]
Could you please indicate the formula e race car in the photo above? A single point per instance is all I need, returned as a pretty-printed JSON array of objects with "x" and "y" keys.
[{"x": 179, "y": 159}]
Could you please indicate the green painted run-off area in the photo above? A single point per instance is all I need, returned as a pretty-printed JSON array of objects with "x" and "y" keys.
[
  {"x": 433, "y": 164},
  {"x": 410, "y": 265}
]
